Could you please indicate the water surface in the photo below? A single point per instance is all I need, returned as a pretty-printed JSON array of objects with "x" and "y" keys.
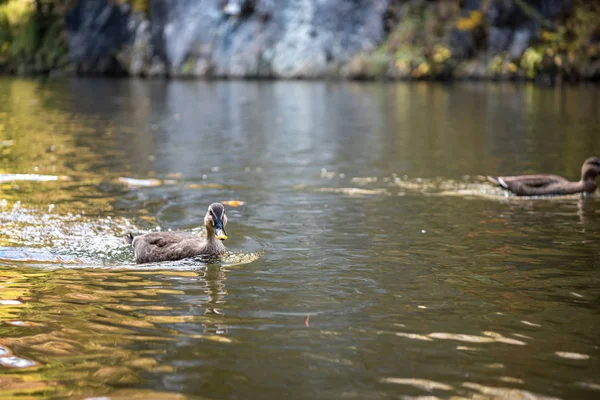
[{"x": 370, "y": 259}]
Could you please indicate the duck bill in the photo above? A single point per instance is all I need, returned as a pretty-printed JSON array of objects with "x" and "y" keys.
[{"x": 220, "y": 233}]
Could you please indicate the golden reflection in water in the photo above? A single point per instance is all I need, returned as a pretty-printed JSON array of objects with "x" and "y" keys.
[
  {"x": 39, "y": 136},
  {"x": 102, "y": 327}
]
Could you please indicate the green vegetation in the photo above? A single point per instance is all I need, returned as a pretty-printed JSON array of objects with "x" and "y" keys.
[
  {"x": 32, "y": 36},
  {"x": 417, "y": 46},
  {"x": 422, "y": 44}
]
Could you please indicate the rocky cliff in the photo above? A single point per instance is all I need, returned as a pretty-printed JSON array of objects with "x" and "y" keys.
[
  {"x": 547, "y": 40},
  {"x": 262, "y": 38}
]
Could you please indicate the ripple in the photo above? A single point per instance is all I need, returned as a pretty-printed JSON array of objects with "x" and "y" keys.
[
  {"x": 461, "y": 337},
  {"x": 510, "y": 379},
  {"x": 489, "y": 337},
  {"x": 588, "y": 385},
  {"x": 235, "y": 259},
  {"x": 229, "y": 260},
  {"x": 31, "y": 177},
  {"x": 364, "y": 180},
  {"x": 530, "y": 324},
  {"x": 413, "y": 336},
  {"x": 140, "y": 394},
  {"x": 10, "y": 302},
  {"x": 424, "y": 384},
  {"x": 16, "y": 362},
  {"x": 572, "y": 356},
  {"x": 449, "y": 187},
  {"x": 23, "y": 323},
  {"x": 4, "y": 351},
  {"x": 348, "y": 191},
  {"x": 506, "y": 393},
  {"x": 467, "y": 348},
  {"x": 133, "y": 182},
  {"x": 468, "y": 187}
]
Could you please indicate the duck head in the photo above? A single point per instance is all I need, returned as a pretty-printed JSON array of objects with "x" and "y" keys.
[
  {"x": 215, "y": 221},
  {"x": 590, "y": 169}
]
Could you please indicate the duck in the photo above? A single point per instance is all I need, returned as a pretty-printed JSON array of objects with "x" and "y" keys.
[
  {"x": 173, "y": 246},
  {"x": 548, "y": 185}
]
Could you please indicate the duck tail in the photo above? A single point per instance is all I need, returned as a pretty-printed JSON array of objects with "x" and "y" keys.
[
  {"x": 128, "y": 238},
  {"x": 493, "y": 180},
  {"x": 498, "y": 181}
]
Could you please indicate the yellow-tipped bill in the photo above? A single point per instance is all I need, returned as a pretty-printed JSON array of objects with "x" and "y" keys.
[{"x": 220, "y": 234}]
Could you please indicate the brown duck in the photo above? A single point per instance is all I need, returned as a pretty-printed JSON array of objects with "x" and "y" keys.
[
  {"x": 540, "y": 185},
  {"x": 172, "y": 246}
]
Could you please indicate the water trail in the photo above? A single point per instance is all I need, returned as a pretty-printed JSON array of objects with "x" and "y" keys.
[{"x": 45, "y": 239}]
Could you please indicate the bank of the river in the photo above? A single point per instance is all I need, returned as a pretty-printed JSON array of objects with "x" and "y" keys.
[{"x": 546, "y": 41}]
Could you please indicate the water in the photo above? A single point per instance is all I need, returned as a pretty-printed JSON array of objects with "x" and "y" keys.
[{"x": 370, "y": 259}]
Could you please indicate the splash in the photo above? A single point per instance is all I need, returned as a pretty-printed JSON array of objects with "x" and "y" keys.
[
  {"x": 424, "y": 384},
  {"x": 468, "y": 186},
  {"x": 34, "y": 236}
]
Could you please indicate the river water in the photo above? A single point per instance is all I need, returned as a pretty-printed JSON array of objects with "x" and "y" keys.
[{"x": 370, "y": 258}]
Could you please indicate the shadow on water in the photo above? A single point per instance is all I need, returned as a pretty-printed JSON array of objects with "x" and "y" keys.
[{"x": 369, "y": 259}]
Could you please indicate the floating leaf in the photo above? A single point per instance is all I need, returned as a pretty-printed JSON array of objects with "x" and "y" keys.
[{"x": 233, "y": 203}]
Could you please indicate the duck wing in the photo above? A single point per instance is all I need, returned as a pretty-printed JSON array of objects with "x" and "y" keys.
[
  {"x": 536, "y": 185},
  {"x": 166, "y": 246}
]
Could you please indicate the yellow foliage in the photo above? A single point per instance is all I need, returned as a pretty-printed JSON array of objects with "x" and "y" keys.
[
  {"x": 422, "y": 70},
  {"x": 495, "y": 65},
  {"x": 441, "y": 54},
  {"x": 531, "y": 61},
  {"x": 472, "y": 21},
  {"x": 558, "y": 60},
  {"x": 403, "y": 66},
  {"x": 17, "y": 11},
  {"x": 140, "y": 6}
]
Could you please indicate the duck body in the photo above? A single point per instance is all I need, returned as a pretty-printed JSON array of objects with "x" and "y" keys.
[
  {"x": 547, "y": 185},
  {"x": 172, "y": 246},
  {"x": 539, "y": 185}
]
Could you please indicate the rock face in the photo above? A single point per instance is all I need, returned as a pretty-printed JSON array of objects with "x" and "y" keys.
[
  {"x": 96, "y": 31},
  {"x": 295, "y": 38},
  {"x": 235, "y": 38}
]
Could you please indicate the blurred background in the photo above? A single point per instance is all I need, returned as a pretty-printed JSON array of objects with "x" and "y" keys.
[
  {"x": 368, "y": 256},
  {"x": 542, "y": 40}
]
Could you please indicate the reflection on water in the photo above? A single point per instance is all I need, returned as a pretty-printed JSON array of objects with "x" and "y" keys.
[
  {"x": 111, "y": 332},
  {"x": 368, "y": 257}
]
